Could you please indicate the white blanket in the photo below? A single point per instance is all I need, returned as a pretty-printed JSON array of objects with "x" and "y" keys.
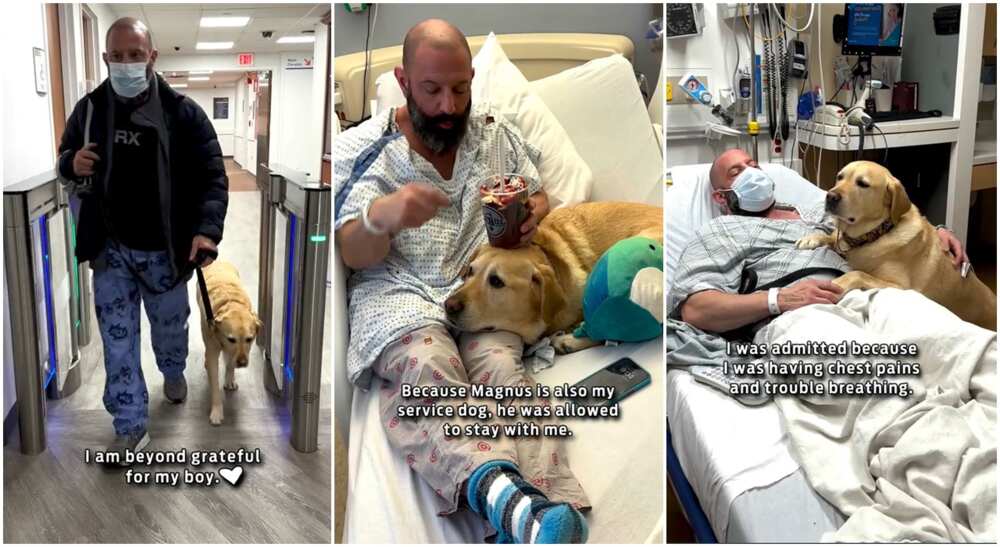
[{"x": 921, "y": 468}]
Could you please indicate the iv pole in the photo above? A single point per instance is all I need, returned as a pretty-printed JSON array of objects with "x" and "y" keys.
[{"x": 752, "y": 127}]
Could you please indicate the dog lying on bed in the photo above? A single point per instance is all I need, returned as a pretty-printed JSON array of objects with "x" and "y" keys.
[
  {"x": 537, "y": 290},
  {"x": 890, "y": 244},
  {"x": 233, "y": 331}
]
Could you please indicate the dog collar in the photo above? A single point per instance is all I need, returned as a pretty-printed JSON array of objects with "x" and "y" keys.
[{"x": 868, "y": 237}]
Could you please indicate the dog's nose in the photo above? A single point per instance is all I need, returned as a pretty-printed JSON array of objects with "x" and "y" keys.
[
  {"x": 454, "y": 306},
  {"x": 242, "y": 362},
  {"x": 832, "y": 199}
]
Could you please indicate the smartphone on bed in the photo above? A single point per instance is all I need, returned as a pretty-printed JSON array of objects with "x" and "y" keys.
[{"x": 624, "y": 376}]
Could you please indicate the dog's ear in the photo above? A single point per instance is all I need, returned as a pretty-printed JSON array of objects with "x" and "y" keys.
[
  {"x": 899, "y": 202},
  {"x": 257, "y": 324},
  {"x": 552, "y": 296}
]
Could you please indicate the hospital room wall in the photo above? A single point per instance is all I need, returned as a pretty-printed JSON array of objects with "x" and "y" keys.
[
  {"x": 937, "y": 55},
  {"x": 394, "y": 20},
  {"x": 711, "y": 54}
]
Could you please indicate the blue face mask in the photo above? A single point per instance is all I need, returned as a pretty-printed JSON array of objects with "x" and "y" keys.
[
  {"x": 128, "y": 79},
  {"x": 754, "y": 190}
]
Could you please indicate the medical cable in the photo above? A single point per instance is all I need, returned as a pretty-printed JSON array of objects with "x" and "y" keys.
[
  {"x": 812, "y": 10},
  {"x": 364, "y": 77}
]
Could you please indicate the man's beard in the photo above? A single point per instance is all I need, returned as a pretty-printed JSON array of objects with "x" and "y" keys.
[{"x": 435, "y": 137}]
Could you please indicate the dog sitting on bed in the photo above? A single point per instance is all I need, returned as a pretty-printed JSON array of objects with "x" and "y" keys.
[
  {"x": 537, "y": 290},
  {"x": 232, "y": 332},
  {"x": 890, "y": 244}
]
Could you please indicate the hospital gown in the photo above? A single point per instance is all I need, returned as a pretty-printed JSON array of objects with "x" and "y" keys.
[
  {"x": 408, "y": 288},
  {"x": 716, "y": 258}
]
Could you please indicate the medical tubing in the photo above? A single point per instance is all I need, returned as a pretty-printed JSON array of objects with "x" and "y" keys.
[{"x": 812, "y": 9}]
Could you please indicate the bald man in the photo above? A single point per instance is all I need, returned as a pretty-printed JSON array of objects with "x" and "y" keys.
[
  {"x": 408, "y": 218},
  {"x": 711, "y": 268},
  {"x": 149, "y": 192}
]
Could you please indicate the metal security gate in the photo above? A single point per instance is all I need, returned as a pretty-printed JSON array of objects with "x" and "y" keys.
[
  {"x": 45, "y": 310},
  {"x": 294, "y": 259}
]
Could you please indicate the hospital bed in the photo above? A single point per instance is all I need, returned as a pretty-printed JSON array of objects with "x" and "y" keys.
[
  {"x": 730, "y": 464},
  {"x": 588, "y": 86}
]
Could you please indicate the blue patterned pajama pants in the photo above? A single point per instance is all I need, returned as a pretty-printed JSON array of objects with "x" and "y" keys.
[{"x": 117, "y": 294}]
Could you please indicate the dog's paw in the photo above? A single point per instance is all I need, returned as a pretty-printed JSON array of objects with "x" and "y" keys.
[
  {"x": 567, "y": 343},
  {"x": 813, "y": 241},
  {"x": 230, "y": 386},
  {"x": 216, "y": 416}
]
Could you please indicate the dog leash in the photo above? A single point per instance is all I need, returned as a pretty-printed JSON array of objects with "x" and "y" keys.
[{"x": 199, "y": 258}]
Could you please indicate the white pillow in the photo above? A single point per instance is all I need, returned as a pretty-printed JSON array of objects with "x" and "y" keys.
[
  {"x": 565, "y": 175},
  {"x": 600, "y": 106},
  {"x": 688, "y": 204}
]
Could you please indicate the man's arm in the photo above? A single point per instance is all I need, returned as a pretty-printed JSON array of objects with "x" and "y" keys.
[
  {"x": 716, "y": 311},
  {"x": 72, "y": 141},
  {"x": 409, "y": 207}
]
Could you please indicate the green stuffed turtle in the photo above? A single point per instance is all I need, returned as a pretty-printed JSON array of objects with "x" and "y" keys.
[{"x": 623, "y": 299}]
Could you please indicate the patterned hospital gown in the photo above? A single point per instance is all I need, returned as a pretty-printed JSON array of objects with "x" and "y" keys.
[
  {"x": 722, "y": 249},
  {"x": 408, "y": 288}
]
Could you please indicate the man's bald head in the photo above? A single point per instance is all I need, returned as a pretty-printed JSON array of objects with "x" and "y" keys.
[
  {"x": 437, "y": 34},
  {"x": 130, "y": 25},
  {"x": 728, "y": 166}
]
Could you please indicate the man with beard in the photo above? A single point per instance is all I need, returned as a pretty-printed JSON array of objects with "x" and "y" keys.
[
  {"x": 144, "y": 164},
  {"x": 408, "y": 219}
]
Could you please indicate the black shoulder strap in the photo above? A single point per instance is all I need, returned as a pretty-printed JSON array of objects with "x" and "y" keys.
[{"x": 748, "y": 282}]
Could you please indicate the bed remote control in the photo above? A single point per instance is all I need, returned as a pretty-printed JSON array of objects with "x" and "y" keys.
[{"x": 714, "y": 377}]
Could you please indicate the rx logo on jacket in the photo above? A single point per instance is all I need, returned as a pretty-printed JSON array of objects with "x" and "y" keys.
[{"x": 126, "y": 137}]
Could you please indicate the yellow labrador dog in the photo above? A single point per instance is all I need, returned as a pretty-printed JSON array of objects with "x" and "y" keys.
[
  {"x": 890, "y": 244},
  {"x": 232, "y": 333},
  {"x": 537, "y": 290}
]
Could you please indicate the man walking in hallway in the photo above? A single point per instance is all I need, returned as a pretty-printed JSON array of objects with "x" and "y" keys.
[{"x": 146, "y": 166}]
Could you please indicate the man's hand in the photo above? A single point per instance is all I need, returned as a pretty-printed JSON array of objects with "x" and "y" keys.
[
  {"x": 409, "y": 207},
  {"x": 201, "y": 242},
  {"x": 84, "y": 160},
  {"x": 951, "y": 245},
  {"x": 538, "y": 207},
  {"x": 809, "y": 291}
]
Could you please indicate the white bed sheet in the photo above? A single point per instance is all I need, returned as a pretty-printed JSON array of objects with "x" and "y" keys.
[
  {"x": 724, "y": 447},
  {"x": 618, "y": 462}
]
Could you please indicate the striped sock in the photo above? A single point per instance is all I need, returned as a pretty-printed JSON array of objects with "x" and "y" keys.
[{"x": 518, "y": 510}]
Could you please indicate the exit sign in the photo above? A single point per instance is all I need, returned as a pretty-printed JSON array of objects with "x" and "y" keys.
[{"x": 246, "y": 59}]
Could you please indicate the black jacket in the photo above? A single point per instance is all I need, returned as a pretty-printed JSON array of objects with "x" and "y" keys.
[{"x": 192, "y": 182}]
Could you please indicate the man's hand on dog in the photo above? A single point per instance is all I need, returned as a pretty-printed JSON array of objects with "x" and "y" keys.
[
  {"x": 409, "y": 207},
  {"x": 201, "y": 242},
  {"x": 809, "y": 291},
  {"x": 951, "y": 245},
  {"x": 84, "y": 160},
  {"x": 538, "y": 207}
]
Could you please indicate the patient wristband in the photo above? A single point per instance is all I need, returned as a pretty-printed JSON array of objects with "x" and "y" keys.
[
  {"x": 772, "y": 301},
  {"x": 370, "y": 226}
]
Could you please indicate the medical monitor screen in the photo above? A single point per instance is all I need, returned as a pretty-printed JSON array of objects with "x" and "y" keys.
[{"x": 874, "y": 29}]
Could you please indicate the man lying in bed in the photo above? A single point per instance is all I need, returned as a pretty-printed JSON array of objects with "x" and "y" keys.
[
  {"x": 408, "y": 217},
  {"x": 723, "y": 270}
]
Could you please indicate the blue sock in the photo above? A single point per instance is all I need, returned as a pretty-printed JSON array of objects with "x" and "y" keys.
[{"x": 518, "y": 510}]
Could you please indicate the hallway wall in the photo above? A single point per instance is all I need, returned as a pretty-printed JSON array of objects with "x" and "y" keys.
[
  {"x": 291, "y": 104},
  {"x": 223, "y": 128}
]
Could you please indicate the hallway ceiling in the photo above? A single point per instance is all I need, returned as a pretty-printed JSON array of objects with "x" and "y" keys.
[
  {"x": 219, "y": 78},
  {"x": 178, "y": 25}
]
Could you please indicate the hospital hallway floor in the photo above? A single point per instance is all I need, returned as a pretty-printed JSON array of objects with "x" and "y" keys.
[{"x": 54, "y": 497}]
